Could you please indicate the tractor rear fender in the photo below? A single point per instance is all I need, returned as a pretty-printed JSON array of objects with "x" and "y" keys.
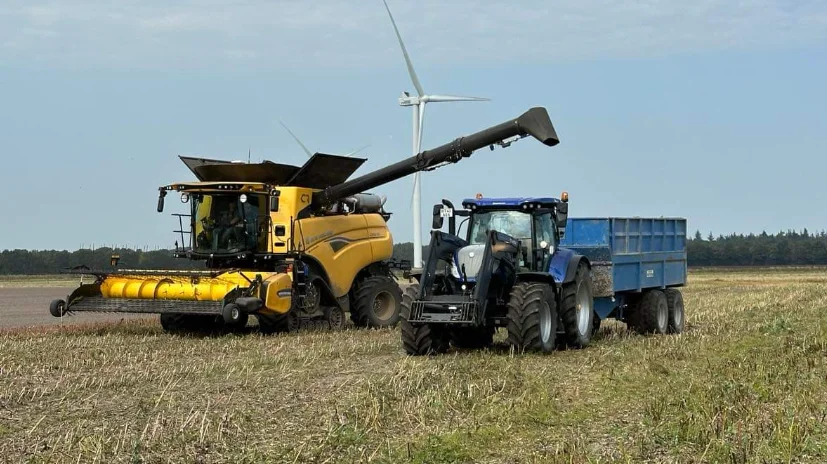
[{"x": 564, "y": 264}]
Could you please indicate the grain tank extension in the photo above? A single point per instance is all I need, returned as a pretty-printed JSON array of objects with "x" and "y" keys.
[{"x": 292, "y": 246}]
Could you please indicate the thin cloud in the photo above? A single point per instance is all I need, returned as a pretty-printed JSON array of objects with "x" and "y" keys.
[{"x": 333, "y": 34}]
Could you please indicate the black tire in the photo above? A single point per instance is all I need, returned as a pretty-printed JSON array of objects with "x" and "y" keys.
[
  {"x": 652, "y": 313},
  {"x": 532, "y": 317},
  {"x": 677, "y": 316},
  {"x": 577, "y": 311},
  {"x": 334, "y": 317},
  {"x": 424, "y": 339},
  {"x": 272, "y": 323},
  {"x": 232, "y": 315},
  {"x": 57, "y": 308},
  {"x": 472, "y": 337},
  {"x": 377, "y": 303}
]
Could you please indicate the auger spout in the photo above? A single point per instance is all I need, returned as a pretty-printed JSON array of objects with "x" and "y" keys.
[{"x": 534, "y": 122}]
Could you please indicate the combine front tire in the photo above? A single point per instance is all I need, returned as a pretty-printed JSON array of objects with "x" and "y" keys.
[
  {"x": 377, "y": 303},
  {"x": 674, "y": 301},
  {"x": 420, "y": 340},
  {"x": 532, "y": 317},
  {"x": 57, "y": 308},
  {"x": 577, "y": 312}
]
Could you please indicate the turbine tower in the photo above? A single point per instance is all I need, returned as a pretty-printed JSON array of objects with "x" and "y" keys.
[{"x": 418, "y": 104}]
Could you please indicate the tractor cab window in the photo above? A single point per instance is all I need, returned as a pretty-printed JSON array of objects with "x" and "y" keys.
[
  {"x": 228, "y": 223},
  {"x": 515, "y": 224},
  {"x": 545, "y": 228}
]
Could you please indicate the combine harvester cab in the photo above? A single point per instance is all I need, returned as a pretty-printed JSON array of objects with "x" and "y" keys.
[
  {"x": 292, "y": 246},
  {"x": 548, "y": 280}
]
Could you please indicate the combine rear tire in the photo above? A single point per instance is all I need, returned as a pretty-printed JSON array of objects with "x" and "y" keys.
[
  {"x": 377, "y": 304},
  {"x": 674, "y": 301},
  {"x": 577, "y": 312},
  {"x": 652, "y": 313},
  {"x": 57, "y": 308},
  {"x": 532, "y": 317},
  {"x": 420, "y": 340}
]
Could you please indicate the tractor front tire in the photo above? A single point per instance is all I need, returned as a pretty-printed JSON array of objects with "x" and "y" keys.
[
  {"x": 378, "y": 303},
  {"x": 674, "y": 301},
  {"x": 532, "y": 317},
  {"x": 577, "y": 312},
  {"x": 420, "y": 340},
  {"x": 652, "y": 313}
]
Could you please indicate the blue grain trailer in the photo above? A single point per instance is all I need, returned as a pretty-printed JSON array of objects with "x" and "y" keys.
[
  {"x": 523, "y": 265},
  {"x": 637, "y": 265}
]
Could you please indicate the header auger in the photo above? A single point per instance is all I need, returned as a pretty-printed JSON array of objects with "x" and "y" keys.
[{"x": 293, "y": 246}]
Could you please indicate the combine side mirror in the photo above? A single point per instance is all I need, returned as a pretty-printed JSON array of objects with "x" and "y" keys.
[
  {"x": 437, "y": 220},
  {"x": 274, "y": 203},
  {"x": 161, "y": 194}
]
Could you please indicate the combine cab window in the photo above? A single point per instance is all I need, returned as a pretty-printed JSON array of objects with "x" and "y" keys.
[
  {"x": 225, "y": 224},
  {"x": 513, "y": 223}
]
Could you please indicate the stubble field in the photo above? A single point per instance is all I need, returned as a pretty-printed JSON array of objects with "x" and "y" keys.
[{"x": 746, "y": 382}]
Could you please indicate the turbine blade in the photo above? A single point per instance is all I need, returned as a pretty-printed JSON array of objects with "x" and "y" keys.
[
  {"x": 309, "y": 153},
  {"x": 357, "y": 151},
  {"x": 452, "y": 98},
  {"x": 411, "y": 71}
]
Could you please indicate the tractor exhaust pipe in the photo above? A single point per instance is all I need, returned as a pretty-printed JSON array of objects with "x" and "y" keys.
[{"x": 534, "y": 122}]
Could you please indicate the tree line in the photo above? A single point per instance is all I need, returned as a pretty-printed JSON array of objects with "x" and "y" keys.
[{"x": 784, "y": 248}]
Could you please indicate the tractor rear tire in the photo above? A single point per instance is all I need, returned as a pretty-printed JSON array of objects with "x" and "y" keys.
[
  {"x": 378, "y": 303},
  {"x": 420, "y": 340},
  {"x": 652, "y": 313},
  {"x": 674, "y": 301},
  {"x": 577, "y": 312},
  {"x": 532, "y": 317},
  {"x": 472, "y": 337}
]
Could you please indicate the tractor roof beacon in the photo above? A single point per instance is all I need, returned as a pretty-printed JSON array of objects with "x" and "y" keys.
[{"x": 515, "y": 267}]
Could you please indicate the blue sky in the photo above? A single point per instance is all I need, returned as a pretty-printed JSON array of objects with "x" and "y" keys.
[{"x": 713, "y": 111}]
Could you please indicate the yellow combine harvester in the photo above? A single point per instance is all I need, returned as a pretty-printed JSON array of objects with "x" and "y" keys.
[{"x": 293, "y": 246}]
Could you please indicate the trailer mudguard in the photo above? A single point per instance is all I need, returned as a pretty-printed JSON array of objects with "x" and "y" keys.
[{"x": 564, "y": 264}]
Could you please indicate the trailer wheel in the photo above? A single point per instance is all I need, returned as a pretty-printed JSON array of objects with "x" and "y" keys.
[
  {"x": 378, "y": 303},
  {"x": 420, "y": 340},
  {"x": 472, "y": 337},
  {"x": 532, "y": 317},
  {"x": 652, "y": 313},
  {"x": 674, "y": 301},
  {"x": 577, "y": 312},
  {"x": 57, "y": 308}
]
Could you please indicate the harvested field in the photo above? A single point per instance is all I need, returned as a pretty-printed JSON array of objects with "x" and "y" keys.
[{"x": 744, "y": 383}]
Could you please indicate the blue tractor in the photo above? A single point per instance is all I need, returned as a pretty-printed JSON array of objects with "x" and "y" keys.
[{"x": 508, "y": 271}]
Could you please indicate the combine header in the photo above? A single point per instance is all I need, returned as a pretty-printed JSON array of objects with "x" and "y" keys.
[{"x": 293, "y": 246}]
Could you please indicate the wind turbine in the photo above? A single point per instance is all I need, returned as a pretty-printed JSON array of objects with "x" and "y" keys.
[
  {"x": 418, "y": 103},
  {"x": 306, "y": 150}
]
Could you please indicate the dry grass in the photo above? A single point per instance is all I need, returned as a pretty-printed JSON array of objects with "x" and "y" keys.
[{"x": 745, "y": 383}]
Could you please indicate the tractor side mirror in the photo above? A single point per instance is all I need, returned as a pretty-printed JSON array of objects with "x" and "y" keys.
[
  {"x": 437, "y": 220},
  {"x": 562, "y": 218}
]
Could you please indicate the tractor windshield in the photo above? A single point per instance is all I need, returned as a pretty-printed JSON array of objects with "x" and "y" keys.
[
  {"x": 228, "y": 222},
  {"x": 516, "y": 224}
]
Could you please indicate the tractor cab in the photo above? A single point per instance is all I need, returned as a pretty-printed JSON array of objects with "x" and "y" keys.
[{"x": 535, "y": 224}]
